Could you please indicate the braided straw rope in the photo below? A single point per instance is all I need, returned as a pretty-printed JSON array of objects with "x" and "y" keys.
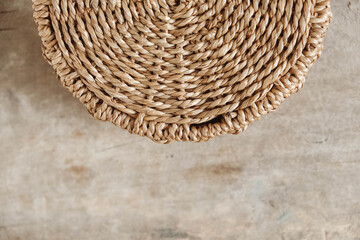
[{"x": 184, "y": 70}]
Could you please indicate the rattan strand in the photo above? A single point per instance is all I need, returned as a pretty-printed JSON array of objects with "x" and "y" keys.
[{"x": 183, "y": 70}]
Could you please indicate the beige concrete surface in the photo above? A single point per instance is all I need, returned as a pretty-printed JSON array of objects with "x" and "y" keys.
[{"x": 295, "y": 174}]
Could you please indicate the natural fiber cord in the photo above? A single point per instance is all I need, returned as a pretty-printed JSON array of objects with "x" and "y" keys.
[{"x": 183, "y": 70}]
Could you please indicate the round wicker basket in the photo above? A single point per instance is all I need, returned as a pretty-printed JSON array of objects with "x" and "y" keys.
[{"x": 183, "y": 70}]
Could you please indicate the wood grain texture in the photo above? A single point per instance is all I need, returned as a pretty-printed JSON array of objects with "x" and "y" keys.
[{"x": 294, "y": 175}]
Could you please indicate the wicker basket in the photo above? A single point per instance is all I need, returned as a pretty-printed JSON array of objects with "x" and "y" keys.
[{"x": 184, "y": 70}]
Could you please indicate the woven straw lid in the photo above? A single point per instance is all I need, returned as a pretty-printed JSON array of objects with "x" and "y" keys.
[{"x": 184, "y": 70}]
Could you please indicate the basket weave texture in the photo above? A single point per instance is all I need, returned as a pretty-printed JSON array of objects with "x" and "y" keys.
[{"x": 183, "y": 70}]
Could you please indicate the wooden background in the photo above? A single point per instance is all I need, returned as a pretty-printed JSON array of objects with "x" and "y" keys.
[{"x": 295, "y": 174}]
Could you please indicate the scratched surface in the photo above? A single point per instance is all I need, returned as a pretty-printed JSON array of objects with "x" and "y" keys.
[{"x": 293, "y": 175}]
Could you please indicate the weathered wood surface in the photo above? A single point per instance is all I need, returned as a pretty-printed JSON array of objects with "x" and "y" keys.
[{"x": 293, "y": 175}]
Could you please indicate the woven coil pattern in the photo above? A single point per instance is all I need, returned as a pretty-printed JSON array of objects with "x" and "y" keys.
[{"x": 183, "y": 70}]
